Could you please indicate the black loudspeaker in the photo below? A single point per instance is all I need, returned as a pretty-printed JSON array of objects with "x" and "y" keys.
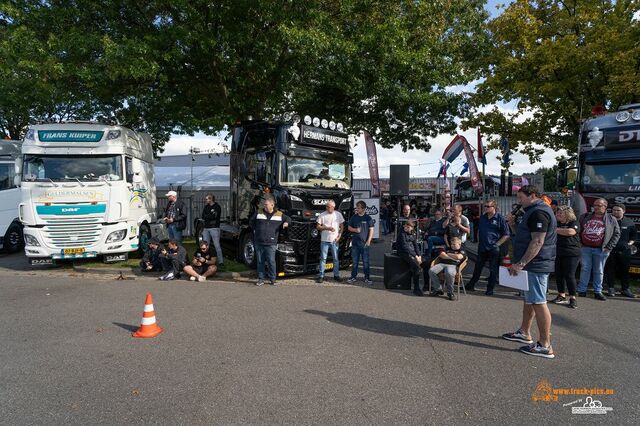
[
  {"x": 399, "y": 179},
  {"x": 397, "y": 274}
]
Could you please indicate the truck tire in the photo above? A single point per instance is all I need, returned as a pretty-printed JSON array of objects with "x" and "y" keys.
[
  {"x": 144, "y": 234},
  {"x": 13, "y": 239},
  {"x": 247, "y": 250}
]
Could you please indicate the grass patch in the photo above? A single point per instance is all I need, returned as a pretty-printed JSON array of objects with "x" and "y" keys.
[{"x": 230, "y": 265}]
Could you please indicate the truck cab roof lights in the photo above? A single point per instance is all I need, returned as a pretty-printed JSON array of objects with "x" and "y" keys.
[
  {"x": 324, "y": 123},
  {"x": 595, "y": 136},
  {"x": 339, "y": 127},
  {"x": 316, "y": 121},
  {"x": 636, "y": 115},
  {"x": 622, "y": 116},
  {"x": 332, "y": 125},
  {"x": 307, "y": 120}
]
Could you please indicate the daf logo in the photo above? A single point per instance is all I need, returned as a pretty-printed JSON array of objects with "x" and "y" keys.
[
  {"x": 319, "y": 202},
  {"x": 70, "y": 209}
]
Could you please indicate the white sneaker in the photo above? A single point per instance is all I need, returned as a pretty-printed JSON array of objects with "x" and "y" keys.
[
  {"x": 192, "y": 278},
  {"x": 201, "y": 278}
]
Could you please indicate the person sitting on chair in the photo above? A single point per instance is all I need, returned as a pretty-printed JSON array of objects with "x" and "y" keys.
[{"x": 449, "y": 261}]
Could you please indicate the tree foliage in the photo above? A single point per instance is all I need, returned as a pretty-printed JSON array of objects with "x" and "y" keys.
[
  {"x": 555, "y": 60},
  {"x": 186, "y": 66}
]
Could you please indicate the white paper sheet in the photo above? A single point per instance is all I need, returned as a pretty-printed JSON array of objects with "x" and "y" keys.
[{"x": 520, "y": 281}]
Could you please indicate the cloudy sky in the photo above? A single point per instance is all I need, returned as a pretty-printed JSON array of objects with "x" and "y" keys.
[{"x": 423, "y": 164}]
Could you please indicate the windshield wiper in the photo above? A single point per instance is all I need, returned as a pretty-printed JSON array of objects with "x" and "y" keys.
[{"x": 78, "y": 180}]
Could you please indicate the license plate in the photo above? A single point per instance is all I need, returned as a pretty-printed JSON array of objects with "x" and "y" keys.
[
  {"x": 328, "y": 266},
  {"x": 634, "y": 270},
  {"x": 73, "y": 250}
]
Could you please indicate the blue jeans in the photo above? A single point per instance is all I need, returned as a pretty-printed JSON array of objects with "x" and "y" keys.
[
  {"x": 358, "y": 251},
  {"x": 324, "y": 249},
  {"x": 266, "y": 254},
  {"x": 212, "y": 236},
  {"x": 593, "y": 260},
  {"x": 430, "y": 243},
  {"x": 174, "y": 232},
  {"x": 385, "y": 229}
]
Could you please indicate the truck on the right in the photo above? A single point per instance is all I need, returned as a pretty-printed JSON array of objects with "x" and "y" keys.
[{"x": 608, "y": 165}]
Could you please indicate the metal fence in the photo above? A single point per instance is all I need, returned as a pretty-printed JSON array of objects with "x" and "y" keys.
[{"x": 194, "y": 205}]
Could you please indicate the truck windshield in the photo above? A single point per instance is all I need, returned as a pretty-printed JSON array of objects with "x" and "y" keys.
[
  {"x": 72, "y": 168},
  {"x": 610, "y": 176},
  {"x": 309, "y": 172}
]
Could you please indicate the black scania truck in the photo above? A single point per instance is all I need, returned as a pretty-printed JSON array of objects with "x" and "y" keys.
[{"x": 302, "y": 165}]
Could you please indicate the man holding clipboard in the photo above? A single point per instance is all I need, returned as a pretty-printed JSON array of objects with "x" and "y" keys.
[{"x": 534, "y": 251}]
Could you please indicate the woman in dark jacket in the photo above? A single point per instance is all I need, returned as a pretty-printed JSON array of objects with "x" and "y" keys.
[
  {"x": 409, "y": 252},
  {"x": 567, "y": 256}
]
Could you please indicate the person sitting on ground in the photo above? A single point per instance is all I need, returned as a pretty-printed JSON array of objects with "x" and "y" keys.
[
  {"x": 409, "y": 251},
  {"x": 151, "y": 259},
  {"x": 174, "y": 259},
  {"x": 450, "y": 259},
  {"x": 203, "y": 264}
]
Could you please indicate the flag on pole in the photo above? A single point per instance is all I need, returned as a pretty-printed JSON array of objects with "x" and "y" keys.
[
  {"x": 443, "y": 170},
  {"x": 373, "y": 163},
  {"x": 481, "y": 157},
  {"x": 465, "y": 169}
]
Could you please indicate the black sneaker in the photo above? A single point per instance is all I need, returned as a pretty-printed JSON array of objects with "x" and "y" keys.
[
  {"x": 560, "y": 300},
  {"x": 611, "y": 292},
  {"x": 436, "y": 293},
  {"x": 573, "y": 304},
  {"x": 451, "y": 296},
  {"x": 466, "y": 287},
  {"x": 628, "y": 293},
  {"x": 337, "y": 279},
  {"x": 518, "y": 336},
  {"x": 538, "y": 350},
  {"x": 319, "y": 280},
  {"x": 599, "y": 296},
  {"x": 418, "y": 293},
  {"x": 582, "y": 293},
  {"x": 260, "y": 283},
  {"x": 488, "y": 292}
]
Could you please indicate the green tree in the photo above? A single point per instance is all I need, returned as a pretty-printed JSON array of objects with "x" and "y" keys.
[
  {"x": 186, "y": 66},
  {"x": 550, "y": 178},
  {"x": 555, "y": 60}
]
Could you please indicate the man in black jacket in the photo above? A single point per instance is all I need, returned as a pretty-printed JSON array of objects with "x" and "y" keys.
[
  {"x": 409, "y": 251},
  {"x": 174, "y": 259},
  {"x": 151, "y": 259},
  {"x": 211, "y": 233},
  {"x": 175, "y": 216},
  {"x": 619, "y": 260},
  {"x": 266, "y": 225}
]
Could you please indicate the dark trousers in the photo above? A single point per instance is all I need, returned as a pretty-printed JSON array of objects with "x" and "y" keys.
[
  {"x": 155, "y": 263},
  {"x": 566, "y": 267},
  {"x": 493, "y": 257},
  {"x": 617, "y": 266},
  {"x": 415, "y": 271},
  {"x": 171, "y": 265},
  {"x": 266, "y": 255}
]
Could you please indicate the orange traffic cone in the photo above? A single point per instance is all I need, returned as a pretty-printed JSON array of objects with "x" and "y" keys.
[
  {"x": 506, "y": 261},
  {"x": 148, "y": 326}
]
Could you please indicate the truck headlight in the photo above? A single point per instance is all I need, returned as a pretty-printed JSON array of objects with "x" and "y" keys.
[
  {"x": 295, "y": 198},
  {"x": 346, "y": 200},
  {"x": 116, "y": 236},
  {"x": 30, "y": 240}
]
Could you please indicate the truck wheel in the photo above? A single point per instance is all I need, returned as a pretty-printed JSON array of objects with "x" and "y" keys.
[
  {"x": 248, "y": 250},
  {"x": 13, "y": 239},
  {"x": 144, "y": 234}
]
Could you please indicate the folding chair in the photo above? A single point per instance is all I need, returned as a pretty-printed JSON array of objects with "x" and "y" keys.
[{"x": 458, "y": 280}]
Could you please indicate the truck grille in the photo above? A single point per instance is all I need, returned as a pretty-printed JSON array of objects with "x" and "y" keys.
[
  {"x": 62, "y": 233},
  {"x": 300, "y": 232}
]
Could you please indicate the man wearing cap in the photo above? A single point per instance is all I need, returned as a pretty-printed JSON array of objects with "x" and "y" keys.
[
  {"x": 175, "y": 216},
  {"x": 151, "y": 259}
]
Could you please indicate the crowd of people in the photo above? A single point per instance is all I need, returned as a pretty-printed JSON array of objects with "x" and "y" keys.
[{"x": 545, "y": 238}]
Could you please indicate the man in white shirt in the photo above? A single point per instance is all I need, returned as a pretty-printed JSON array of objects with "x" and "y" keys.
[{"x": 331, "y": 225}]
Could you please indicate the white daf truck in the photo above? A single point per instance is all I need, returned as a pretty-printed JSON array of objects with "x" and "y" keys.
[
  {"x": 87, "y": 190},
  {"x": 11, "y": 239}
]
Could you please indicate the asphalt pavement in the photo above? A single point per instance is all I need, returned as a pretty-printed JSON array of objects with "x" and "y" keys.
[{"x": 298, "y": 353}]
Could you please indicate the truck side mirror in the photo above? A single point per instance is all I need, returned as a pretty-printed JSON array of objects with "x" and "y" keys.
[
  {"x": 561, "y": 177},
  {"x": 261, "y": 166}
]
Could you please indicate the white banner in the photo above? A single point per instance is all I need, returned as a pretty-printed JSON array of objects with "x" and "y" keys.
[{"x": 373, "y": 210}]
